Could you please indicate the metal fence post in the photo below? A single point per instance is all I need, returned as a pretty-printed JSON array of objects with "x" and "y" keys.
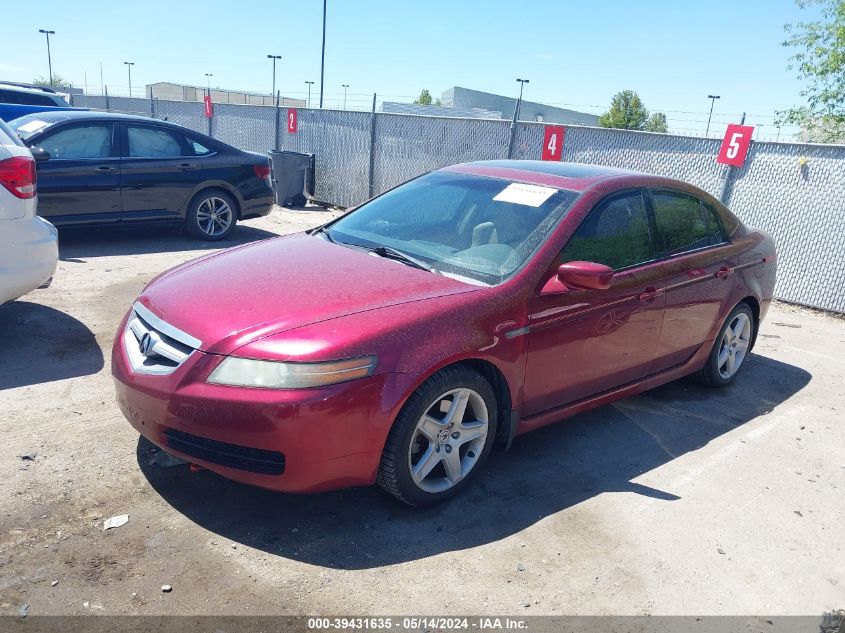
[
  {"x": 211, "y": 118},
  {"x": 371, "y": 176},
  {"x": 107, "y": 98},
  {"x": 152, "y": 107},
  {"x": 276, "y": 143}
]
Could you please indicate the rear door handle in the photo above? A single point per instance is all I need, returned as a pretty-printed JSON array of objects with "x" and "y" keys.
[
  {"x": 105, "y": 169},
  {"x": 651, "y": 293},
  {"x": 724, "y": 272},
  {"x": 188, "y": 166}
]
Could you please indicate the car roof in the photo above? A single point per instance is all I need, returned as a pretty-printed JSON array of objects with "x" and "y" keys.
[
  {"x": 33, "y": 90},
  {"x": 56, "y": 116},
  {"x": 572, "y": 176}
]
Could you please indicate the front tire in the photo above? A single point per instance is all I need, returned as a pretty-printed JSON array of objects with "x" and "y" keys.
[
  {"x": 212, "y": 216},
  {"x": 730, "y": 348},
  {"x": 440, "y": 438}
]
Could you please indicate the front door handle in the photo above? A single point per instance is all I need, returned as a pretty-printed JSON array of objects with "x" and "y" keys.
[
  {"x": 105, "y": 169},
  {"x": 189, "y": 166},
  {"x": 650, "y": 294}
]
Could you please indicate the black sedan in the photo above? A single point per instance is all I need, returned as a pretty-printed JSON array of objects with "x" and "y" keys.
[{"x": 103, "y": 168}]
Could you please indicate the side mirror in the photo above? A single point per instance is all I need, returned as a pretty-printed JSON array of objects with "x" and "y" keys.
[
  {"x": 39, "y": 154},
  {"x": 578, "y": 276}
]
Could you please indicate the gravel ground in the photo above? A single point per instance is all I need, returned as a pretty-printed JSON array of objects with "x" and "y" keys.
[{"x": 681, "y": 501}]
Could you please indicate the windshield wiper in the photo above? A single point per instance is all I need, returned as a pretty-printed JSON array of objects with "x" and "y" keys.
[
  {"x": 325, "y": 231},
  {"x": 391, "y": 253}
]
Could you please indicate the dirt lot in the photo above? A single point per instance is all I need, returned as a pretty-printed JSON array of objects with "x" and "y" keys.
[{"x": 681, "y": 501}]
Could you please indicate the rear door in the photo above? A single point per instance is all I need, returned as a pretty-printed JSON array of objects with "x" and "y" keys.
[
  {"x": 584, "y": 342},
  {"x": 81, "y": 181},
  {"x": 159, "y": 172},
  {"x": 697, "y": 269}
]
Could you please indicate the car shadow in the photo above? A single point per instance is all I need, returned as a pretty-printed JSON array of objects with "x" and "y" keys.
[
  {"x": 41, "y": 344},
  {"x": 545, "y": 472},
  {"x": 77, "y": 243}
]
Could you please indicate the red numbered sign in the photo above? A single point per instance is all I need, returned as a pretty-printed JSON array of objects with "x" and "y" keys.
[
  {"x": 552, "y": 142},
  {"x": 735, "y": 145},
  {"x": 292, "y": 120},
  {"x": 209, "y": 109}
]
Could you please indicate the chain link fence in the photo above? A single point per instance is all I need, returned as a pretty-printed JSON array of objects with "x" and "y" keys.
[{"x": 801, "y": 203}]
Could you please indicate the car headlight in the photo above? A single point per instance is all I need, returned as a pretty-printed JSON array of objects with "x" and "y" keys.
[{"x": 268, "y": 374}]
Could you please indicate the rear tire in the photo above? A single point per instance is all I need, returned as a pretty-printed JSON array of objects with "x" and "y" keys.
[
  {"x": 730, "y": 349},
  {"x": 212, "y": 216},
  {"x": 440, "y": 438}
]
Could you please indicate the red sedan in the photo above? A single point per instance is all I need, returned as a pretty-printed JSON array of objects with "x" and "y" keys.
[{"x": 400, "y": 342}]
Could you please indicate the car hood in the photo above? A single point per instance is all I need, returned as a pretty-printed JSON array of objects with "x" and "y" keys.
[{"x": 240, "y": 295}]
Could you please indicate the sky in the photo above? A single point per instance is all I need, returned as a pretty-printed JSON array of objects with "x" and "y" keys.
[{"x": 575, "y": 54}]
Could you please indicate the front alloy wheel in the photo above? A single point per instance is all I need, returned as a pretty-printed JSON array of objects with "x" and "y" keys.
[
  {"x": 448, "y": 440},
  {"x": 440, "y": 438}
]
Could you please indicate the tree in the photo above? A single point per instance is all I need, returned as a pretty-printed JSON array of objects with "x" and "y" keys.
[
  {"x": 627, "y": 112},
  {"x": 657, "y": 123},
  {"x": 425, "y": 99},
  {"x": 59, "y": 82},
  {"x": 820, "y": 64}
]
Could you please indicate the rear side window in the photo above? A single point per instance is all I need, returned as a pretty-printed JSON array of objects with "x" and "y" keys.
[
  {"x": 81, "y": 141},
  {"x": 25, "y": 98},
  {"x": 616, "y": 233},
  {"x": 149, "y": 142},
  {"x": 684, "y": 223},
  {"x": 199, "y": 148}
]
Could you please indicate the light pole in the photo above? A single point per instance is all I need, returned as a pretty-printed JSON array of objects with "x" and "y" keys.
[
  {"x": 310, "y": 83},
  {"x": 209, "y": 76},
  {"x": 522, "y": 83},
  {"x": 274, "y": 58},
  {"x": 129, "y": 66},
  {"x": 49, "y": 60},
  {"x": 712, "y": 102},
  {"x": 323, "y": 57},
  {"x": 345, "y": 86}
]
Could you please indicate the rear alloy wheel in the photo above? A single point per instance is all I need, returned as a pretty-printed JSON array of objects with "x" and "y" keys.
[
  {"x": 212, "y": 216},
  {"x": 730, "y": 348},
  {"x": 440, "y": 438}
]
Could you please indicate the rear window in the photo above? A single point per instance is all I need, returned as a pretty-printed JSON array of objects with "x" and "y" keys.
[{"x": 5, "y": 131}]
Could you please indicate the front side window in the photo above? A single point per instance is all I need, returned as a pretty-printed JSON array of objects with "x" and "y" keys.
[
  {"x": 149, "y": 142},
  {"x": 79, "y": 142},
  {"x": 683, "y": 223},
  {"x": 616, "y": 233},
  {"x": 472, "y": 227}
]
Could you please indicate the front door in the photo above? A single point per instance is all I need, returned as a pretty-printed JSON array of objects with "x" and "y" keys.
[
  {"x": 81, "y": 181},
  {"x": 159, "y": 172},
  {"x": 584, "y": 342}
]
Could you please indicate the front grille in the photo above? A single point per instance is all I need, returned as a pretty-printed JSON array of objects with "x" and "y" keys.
[
  {"x": 154, "y": 346},
  {"x": 254, "y": 460}
]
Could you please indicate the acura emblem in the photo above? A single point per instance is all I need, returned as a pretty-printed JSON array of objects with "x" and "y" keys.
[{"x": 148, "y": 343}]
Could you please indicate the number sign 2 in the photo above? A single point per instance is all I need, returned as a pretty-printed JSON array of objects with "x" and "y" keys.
[
  {"x": 553, "y": 142},
  {"x": 292, "y": 120},
  {"x": 735, "y": 145}
]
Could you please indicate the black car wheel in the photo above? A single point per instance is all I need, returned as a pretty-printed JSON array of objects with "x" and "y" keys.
[{"x": 212, "y": 215}]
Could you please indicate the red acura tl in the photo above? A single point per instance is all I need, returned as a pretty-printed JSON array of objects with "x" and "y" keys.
[{"x": 400, "y": 342}]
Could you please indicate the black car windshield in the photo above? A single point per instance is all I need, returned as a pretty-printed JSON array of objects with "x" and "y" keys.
[
  {"x": 28, "y": 125},
  {"x": 469, "y": 227}
]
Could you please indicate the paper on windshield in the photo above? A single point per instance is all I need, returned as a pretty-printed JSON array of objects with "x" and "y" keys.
[
  {"x": 32, "y": 126},
  {"x": 521, "y": 193}
]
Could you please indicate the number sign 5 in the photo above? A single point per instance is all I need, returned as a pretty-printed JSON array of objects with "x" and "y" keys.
[{"x": 735, "y": 145}]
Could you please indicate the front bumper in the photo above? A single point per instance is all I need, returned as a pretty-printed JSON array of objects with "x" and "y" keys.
[
  {"x": 304, "y": 440},
  {"x": 29, "y": 251}
]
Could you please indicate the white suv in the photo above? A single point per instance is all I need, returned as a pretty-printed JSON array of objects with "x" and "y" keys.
[{"x": 29, "y": 245}]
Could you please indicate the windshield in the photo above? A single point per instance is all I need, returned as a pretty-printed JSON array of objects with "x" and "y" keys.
[
  {"x": 482, "y": 229},
  {"x": 27, "y": 126}
]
